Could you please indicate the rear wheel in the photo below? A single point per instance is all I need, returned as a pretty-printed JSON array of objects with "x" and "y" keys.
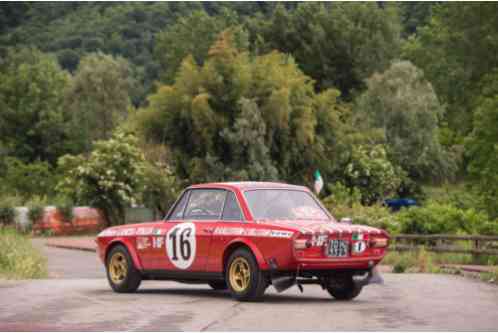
[
  {"x": 121, "y": 273},
  {"x": 343, "y": 287},
  {"x": 218, "y": 285},
  {"x": 245, "y": 280}
]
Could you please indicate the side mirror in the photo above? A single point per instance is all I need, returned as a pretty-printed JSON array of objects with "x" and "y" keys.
[{"x": 346, "y": 220}]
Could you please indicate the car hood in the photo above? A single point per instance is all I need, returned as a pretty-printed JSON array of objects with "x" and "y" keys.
[{"x": 322, "y": 227}]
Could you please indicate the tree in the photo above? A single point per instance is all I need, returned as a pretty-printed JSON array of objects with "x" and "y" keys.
[
  {"x": 193, "y": 35},
  {"x": 33, "y": 124},
  {"x": 99, "y": 97},
  {"x": 28, "y": 179},
  {"x": 372, "y": 174},
  {"x": 455, "y": 50},
  {"x": 110, "y": 178},
  {"x": 402, "y": 104},
  {"x": 338, "y": 45},
  {"x": 240, "y": 117},
  {"x": 482, "y": 144}
]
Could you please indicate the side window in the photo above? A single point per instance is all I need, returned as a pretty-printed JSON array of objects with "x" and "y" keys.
[
  {"x": 177, "y": 213},
  {"x": 205, "y": 204},
  {"x": 232, "y": 210}
]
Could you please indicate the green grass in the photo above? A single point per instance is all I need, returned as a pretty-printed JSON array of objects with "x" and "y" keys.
[{"x": 18, "y": 258}]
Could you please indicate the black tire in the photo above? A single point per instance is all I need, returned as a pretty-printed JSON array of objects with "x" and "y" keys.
[
  {"x": 343, "y": 287},
  {"x": 218, "y": 285},
  {"x": 257, "y": 281},
  {"x": 132, "y": 277}
]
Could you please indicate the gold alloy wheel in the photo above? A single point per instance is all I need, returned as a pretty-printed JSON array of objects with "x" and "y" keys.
[
  {"x": 118, "y": 267},
  {"x": 239, "y": 274}
]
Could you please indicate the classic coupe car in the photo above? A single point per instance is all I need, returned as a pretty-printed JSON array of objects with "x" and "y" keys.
[{"x": 245, "y": 237}]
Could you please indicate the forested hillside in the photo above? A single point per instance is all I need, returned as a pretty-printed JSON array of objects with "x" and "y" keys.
[{"x": 113, "y": 104}]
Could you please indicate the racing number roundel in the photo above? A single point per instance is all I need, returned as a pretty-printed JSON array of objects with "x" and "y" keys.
[{"x": 180, "y": 245}]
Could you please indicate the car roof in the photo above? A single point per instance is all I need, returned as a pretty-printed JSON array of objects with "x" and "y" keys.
[{"x": 243, "y": 186}]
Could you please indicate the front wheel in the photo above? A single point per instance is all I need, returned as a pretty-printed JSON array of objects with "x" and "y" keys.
[
  {"x": 245, "y": 280},
  {"x": 343, "y": 287},
  {"x": 121, "y": 273}
]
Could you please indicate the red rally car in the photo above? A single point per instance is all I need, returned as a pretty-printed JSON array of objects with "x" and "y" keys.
[{"x": 244, "y": 237}]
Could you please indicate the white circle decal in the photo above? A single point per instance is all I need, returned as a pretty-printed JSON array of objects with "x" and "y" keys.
[
  {"x": 359, "y": 247},
  {"x": 180, "y": 245}
]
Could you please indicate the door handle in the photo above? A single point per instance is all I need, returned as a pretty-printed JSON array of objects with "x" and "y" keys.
[{"x": 208, "y": 230}]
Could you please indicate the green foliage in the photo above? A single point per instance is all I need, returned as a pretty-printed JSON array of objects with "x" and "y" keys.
[
  {"x": 28, "y": 179},
  {"x": 371, "y": 172},
  {"x": 455, "y": 50},
  {"x": 248, "y": 118},
  {"x": 482, "y": 144},
  {"x": 344, "y": 202},
  {"x": 7, "y": 213},
  {"x": 435, "y": 218},
  {"x": 36, "y": 208},
  {"x": 419, "y": 261},
  {"x": 32, "y": 121},
  {"x": 338, "y": 45},
  {"x": 109, "y": 178},
  {"x": 65, "y": 207},
  {"x": 402, "y": 104},
  {"x": 71, "y": 31},
  {"x": 160, "y": 188},
  {"x": 193, "y": 35},
  {"x": 18, "y": 258},
  {"x": 98, "y": 97}
]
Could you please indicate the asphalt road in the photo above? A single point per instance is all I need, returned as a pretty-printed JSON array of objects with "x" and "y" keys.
[{"x": 77, "y": 297}]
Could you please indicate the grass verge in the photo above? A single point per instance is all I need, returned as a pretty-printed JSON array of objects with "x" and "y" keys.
[{"x": 18, "y": 258}]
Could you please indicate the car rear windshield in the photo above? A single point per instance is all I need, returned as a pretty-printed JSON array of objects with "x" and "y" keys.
[{"x": 276, "y": 204}]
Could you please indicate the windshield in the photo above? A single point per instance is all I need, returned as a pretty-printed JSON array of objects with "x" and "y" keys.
[{"x": 276, "y": 204}]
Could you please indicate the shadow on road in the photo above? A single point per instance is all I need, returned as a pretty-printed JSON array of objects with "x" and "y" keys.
[{"x": 222, "y": 294}]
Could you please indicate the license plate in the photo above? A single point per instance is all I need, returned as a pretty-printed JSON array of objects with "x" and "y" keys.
[{"x": 338, "y": 248}]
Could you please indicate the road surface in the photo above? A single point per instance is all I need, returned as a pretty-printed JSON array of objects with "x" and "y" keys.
[{"x": 77, "y": 297}]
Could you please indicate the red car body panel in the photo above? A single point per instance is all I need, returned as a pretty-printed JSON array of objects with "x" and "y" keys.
[{"x": 154, "y": 245}]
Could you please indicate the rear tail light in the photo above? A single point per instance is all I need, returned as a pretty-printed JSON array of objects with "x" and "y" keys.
[
  {"x": 379, "y": 242},
  {"x": 302, "y": 243}
]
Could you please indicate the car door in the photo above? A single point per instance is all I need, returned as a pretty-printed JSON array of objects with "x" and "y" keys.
[
  {"x": 230, "y": 226},
  {"x": 184, "y": 238}
]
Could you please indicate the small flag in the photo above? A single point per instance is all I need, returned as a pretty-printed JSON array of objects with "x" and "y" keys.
[
  {"x": 318, "y": 182},
  {"x": 357, "y": 237}
]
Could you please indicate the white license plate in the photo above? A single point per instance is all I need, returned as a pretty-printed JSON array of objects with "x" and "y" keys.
[{"x": 338, "y": 248}]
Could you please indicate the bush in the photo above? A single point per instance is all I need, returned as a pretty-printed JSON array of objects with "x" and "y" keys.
[
  {"x": 111, "y": 178},
  {"x": 30, "y": 179},
  {"x": 7, "y": 211},
  {"x": 36, "y": 208},
  {"x": 18, "y": 258},
  {"x": 435, "y": 218},
  {"x": 65, "y": 208},
  {"x": 344, "y": 202},
  {"x": 7, "y": 215},
  {"x": 419, "y": 261}
]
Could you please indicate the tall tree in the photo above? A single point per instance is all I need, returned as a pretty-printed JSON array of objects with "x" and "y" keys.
[
  {"x": 402, "y": 104},
  {"x": 482, "y": 144},
  {"x": 193, "y": 35},
  {"x": 455, "y": 51},
  {"x": 33, "y": 125},
  {"x": 99, "y": 96},
  {"x": 246, "y": 117},
  {"x": 338, "y": 45}
]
